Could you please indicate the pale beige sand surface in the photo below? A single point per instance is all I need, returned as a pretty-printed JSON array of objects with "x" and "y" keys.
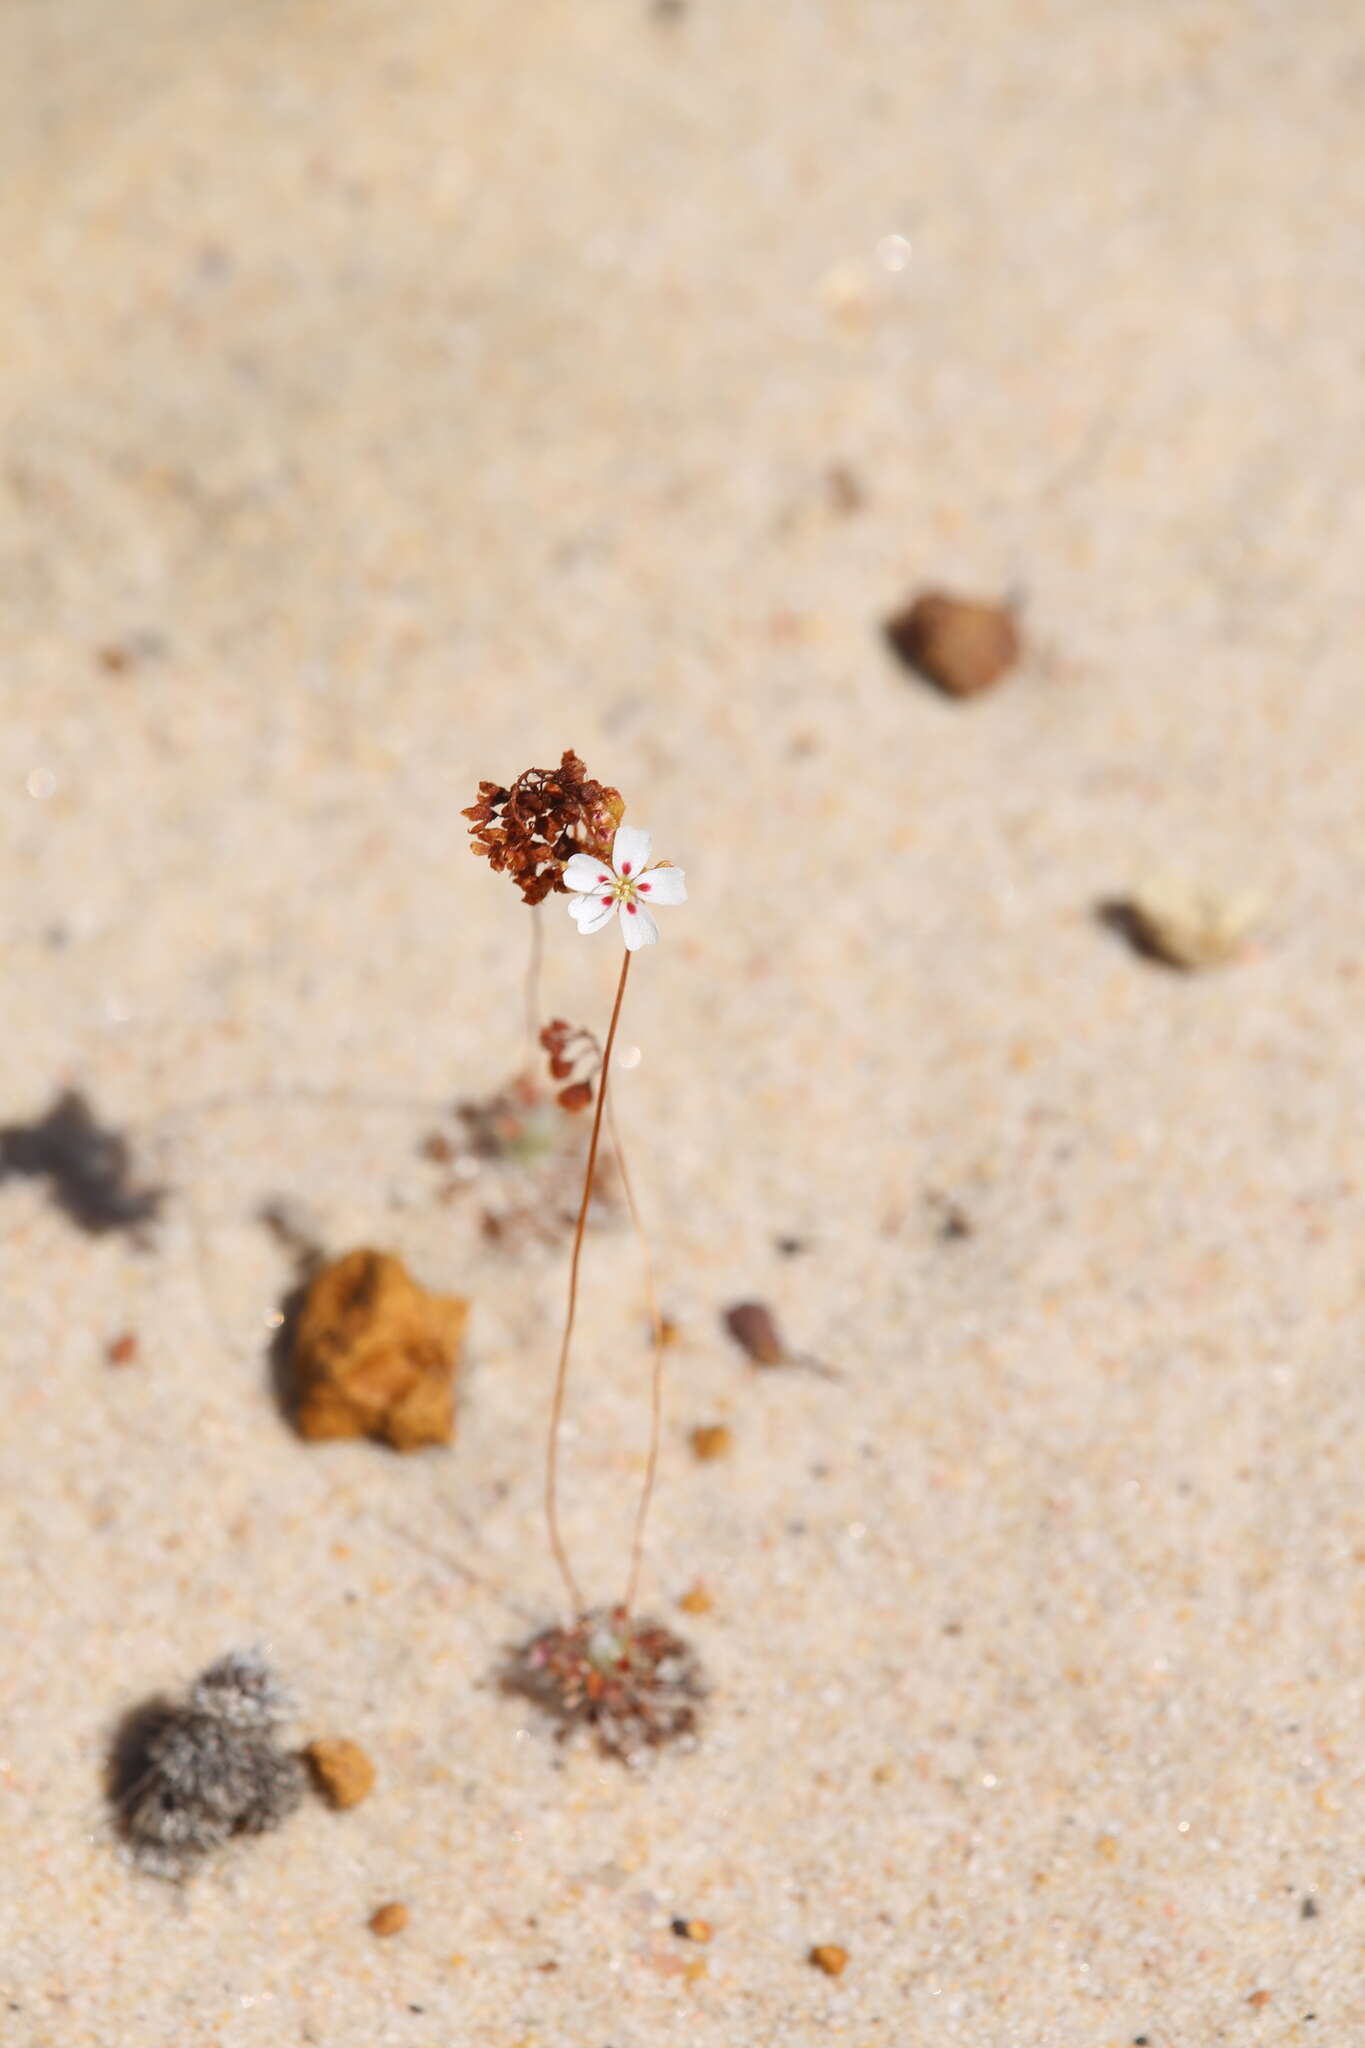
[{"x": 414, "y": 391}]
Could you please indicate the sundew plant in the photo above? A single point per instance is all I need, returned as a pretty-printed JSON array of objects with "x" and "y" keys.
[{"x": 556, "y": 832}]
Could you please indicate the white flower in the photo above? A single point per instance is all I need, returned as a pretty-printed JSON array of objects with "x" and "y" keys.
[{"x": 626, "y": 883}]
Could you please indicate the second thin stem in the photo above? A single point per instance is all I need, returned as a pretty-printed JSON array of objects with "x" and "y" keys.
[{"x": 561, "y": 1555}]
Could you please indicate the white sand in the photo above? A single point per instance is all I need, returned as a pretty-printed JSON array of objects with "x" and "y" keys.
[{"x": 444, "y": 385}]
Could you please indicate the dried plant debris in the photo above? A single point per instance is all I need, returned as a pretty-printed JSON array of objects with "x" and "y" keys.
[
  {"x": 89, "y": 1167},
  {"x": 519, "y": 1154},
  {"x": 547, "y": 815},
  {"x": 962, "y": 645},
  {"x": 1185, "y": 924},
  {"x": 575, "y": 1057},
  {"x": 631, "y": 1681},
  {"x": 341, "y": 1770},
  {"x": 373, "y": 1354},
  {"x": 186, "y": 1777}
]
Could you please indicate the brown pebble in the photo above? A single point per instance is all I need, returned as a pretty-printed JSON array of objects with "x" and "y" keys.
[
  {"x": 389, "y": 1919},
  {"x": 753, "y": 1328},
  {"x": 961, "y": 644},
  {"x": 711, "y": 1440},
  {"x": 341, "y": 1770},
  {"x": 829, "y": 1957},
  {"x": 123, "y": 1349},
  {"x": 375, "y": 1355},
  {"x": 696, "y": 1600},
  {"x": 1259, "y": 1999}
]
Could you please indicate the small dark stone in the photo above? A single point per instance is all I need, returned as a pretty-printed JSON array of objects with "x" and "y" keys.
[{"x": 1309, "y": 1910}]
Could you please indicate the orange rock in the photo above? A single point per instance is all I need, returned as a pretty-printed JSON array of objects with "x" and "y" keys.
[
  {"x": 341, "y": 1770},
  {"x": 829, "y": 1957},
  {"x": 375, "y": 1355},
  {"x": 389, "y": 1919}
]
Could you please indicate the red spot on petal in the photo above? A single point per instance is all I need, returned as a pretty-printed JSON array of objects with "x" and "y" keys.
[
  {"x": 625, "y": 867},
  {"x": 632, "y": 908},
  {"x": 644, "y": 887},
  {"x": 603, "y": 880}
]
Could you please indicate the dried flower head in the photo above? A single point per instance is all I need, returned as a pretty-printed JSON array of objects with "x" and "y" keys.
[
  {"x": 532, "y": 829},
  {"x": 575, "y": 1059},
  {"x": 634, "y": 1683},
  {"x": 186, "y": 1777}
]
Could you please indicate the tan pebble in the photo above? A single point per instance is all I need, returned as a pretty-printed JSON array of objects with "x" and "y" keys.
[
  {"x": 1191, "y": 925},
  {"x": 375, "y": 1355},
  {"x": 961, "y": 644},
  {"x": 1259, "y": 1999},
  {"x": 697, "y": 1930},
  {"x": 341, "y": 1770},
  {"x": 389, "y": 1919},
  {"x": 1107, "y": 1846},
  {"x": 830, "y": 1958},
  {"x": 695, "y": 1970},
  {"x": 710, "y": 1440},
  {"x": 696, "y": 1600},
  {"x": 123, "y": 1349}
]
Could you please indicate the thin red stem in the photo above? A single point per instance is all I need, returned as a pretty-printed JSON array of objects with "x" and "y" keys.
[
  {"x": 561, "y": 1556},
  {"x": 656, "y": 1377}
]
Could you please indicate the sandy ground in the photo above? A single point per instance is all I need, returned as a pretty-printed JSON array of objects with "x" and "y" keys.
[{"x": 397, "y": 395}]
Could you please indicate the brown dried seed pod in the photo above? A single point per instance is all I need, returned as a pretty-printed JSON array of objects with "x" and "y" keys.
[
  {"x": 754, "y": 1329},
  {"x": 548, "y": 814}
]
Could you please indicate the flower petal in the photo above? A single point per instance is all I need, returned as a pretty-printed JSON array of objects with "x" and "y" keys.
[
  {"x": 587, "y": 876},
  {"x": 630, "y": 850},
  {"x": 590, "y": 913},
  {"x": 637, "y": 927},
  {"x": 664, "y": 885}
]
